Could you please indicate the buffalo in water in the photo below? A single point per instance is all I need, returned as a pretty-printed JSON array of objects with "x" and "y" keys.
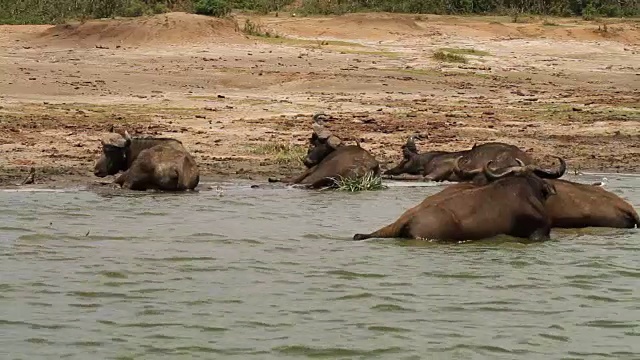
[
  {"x": 329, "y": 159},
  {"x": 513, "y": 203},
  {"x": 438, "y": 165},
  {"x": 147, "y": 163},
  {"x": 576, "y": 205}
]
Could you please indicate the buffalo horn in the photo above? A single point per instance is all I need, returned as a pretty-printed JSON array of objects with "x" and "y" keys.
[
  {"x": 463, "y": 174},
  {"x": 552, "y": 174},
  {"x": 411, "y": 144},
  {"x": 316, "y": 117},
  {"x": 127, "y": 139},
  {"x": 491, "y": 175}
]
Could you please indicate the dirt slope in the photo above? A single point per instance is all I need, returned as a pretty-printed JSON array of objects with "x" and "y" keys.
[{"x": 243, "y": 104}]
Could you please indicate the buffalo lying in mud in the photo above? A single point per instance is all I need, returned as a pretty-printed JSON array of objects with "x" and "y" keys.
[
  {"x": 147, "y": 163},
  {"x": 578, "y": 205},
  {"x": 513, "y": 203},
  {"x": 329, "y": 159},
  {"x": 439, "y": 165}
]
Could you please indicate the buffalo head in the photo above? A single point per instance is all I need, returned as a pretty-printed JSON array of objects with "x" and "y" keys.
[
  {"x": 410, "y": 164},
  {"x": 529, "y": 171},
  {"x": 321, "y": 144},
  {"x": 481, "y": 176},
  {"x": 114, "y": 154}
]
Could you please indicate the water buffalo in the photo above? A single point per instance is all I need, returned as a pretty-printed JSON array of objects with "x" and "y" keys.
[
  {"x": 579, "y": 205},
  {"x": 438, "y": 165},
  {"x": 147, "y": 163},
  {"x": 329, "y": 159},
  {"x": 511, "y": 204}
]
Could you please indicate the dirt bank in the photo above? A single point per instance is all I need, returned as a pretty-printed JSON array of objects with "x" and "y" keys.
[{"x": 243, "y": 104}]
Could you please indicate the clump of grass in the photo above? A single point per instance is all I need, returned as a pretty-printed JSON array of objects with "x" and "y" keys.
[
  {"x": 368, "y": 182},
  {"x": 460, "y": 51},
  {"x": 449, "y": 57},
  {"x": 281, "y": 153},
  {"x": 255, "y": 29}
]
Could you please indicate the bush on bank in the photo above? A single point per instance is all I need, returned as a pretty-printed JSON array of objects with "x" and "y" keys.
[{"x": 57, "y": 11}]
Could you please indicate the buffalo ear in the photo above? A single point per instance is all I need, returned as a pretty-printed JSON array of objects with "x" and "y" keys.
[{"x": 334, "y": 141}]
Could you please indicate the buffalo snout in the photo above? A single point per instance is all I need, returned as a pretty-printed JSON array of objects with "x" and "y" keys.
[
  {"x": 99, "y": 171},
  {"x": 308, "y": 163}
]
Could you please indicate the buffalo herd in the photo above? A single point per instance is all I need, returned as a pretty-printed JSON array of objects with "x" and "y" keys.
[{"x": 498, "y": 188}]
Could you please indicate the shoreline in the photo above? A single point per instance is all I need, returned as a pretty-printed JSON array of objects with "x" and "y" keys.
[
  {"x": 242, "y": 105},
  {"x": 13, "y": 179}
]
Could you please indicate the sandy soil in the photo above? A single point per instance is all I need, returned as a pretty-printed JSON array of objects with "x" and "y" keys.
[{"x": 242, "y": 104}]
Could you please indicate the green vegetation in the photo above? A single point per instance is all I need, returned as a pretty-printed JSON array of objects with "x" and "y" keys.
[
  {"x": 217, "y": 8},
  {"x": 281, "y": 153},
  {"x": 57, "y": 11},
  {"x": 255, "y": 29},
  {"x": 449, "y": 57},
  {"x": 368, "y": 182}
]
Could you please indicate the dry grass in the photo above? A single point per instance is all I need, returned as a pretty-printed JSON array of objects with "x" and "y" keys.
[{"x": 281, "y": 153}]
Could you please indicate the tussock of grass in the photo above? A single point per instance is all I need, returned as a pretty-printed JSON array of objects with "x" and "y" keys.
[
  {"x": 368, "y": 182},
  {"x": 255, "y": 29},
  {"x": 460, "y": 51},
  {"x": 449, "y": 57},
  {"x": 281, "y": 153}
]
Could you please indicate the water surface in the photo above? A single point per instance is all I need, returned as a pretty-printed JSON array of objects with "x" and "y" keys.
[{"x": 271, "y": 274}]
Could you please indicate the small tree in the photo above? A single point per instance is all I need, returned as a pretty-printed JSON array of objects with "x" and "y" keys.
[{"x": 218, "y": 8}]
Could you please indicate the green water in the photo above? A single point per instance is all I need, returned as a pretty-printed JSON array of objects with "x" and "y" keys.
[{"x": 271, "y": 274}]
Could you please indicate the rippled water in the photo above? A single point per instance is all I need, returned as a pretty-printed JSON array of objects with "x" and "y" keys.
[{"x": 271, "y": 274}]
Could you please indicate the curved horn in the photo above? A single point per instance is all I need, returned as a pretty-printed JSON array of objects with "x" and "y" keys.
[
  {"x": 552, "y": 174},
  {"x": 520, "y": 162},
  {"x": 463, "y": 174},
  {"x": 317, "y": 116},
  {"x": 456, "y": 167},
  {"x": 127, "y": 139},
  {"x": 410, "y": 144},
  {"x": 411, "y": 140},
  {"x": 491, "y": 175}
]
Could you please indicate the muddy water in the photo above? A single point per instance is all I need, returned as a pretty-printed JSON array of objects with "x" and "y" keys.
[{"x": 270, "y": 274}]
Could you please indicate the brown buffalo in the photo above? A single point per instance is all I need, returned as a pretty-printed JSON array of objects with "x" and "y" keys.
[
  {"x": 511, "y": 205},
  {"x": 438, "y": 165},
  {"x": 329, "y": 159},
  {"x": 147, "y": 163},
  {"x": 579, "y": 205}
]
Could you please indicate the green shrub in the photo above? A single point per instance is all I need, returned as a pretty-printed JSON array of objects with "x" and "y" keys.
[
  {"x": 218, "y": 8},
  {"x": 136, "y": 8},
  {"x": 589, "y": 12},
  {"x": 368, "y": 182}
]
